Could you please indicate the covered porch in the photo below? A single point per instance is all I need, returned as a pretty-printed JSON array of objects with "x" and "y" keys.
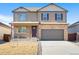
[{"x": 24, "y": 30}]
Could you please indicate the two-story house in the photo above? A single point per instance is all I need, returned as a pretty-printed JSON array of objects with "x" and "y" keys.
[{"x": 45, "y": 23}]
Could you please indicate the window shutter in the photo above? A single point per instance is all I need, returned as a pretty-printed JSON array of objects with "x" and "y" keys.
[
  {"x": 41, "y": 16},
  {"x": 47, "y": 16},
  {"x": 55, "y": 16},
  {"x": 61, "y": 16}
]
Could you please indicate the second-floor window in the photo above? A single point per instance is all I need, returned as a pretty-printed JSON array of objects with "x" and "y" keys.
[
  {"x": 22, "y": 29},
  {"x": 45, "y": 16},
  {"x": 22, "y": 17},
  {"x": 58, "y": 17}
]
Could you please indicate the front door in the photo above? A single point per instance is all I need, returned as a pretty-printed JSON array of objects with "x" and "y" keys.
[{"x": 34, "y": 31}]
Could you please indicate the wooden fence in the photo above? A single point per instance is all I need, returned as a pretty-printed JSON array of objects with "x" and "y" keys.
[
  {"x": 73, "y": 36},
  {"x": 7, "y": 37}
]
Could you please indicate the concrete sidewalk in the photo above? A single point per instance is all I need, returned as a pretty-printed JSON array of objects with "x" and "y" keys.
[{"x": 59, "y": 48}]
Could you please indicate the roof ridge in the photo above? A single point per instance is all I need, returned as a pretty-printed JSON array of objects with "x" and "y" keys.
[
  {"x": 5, "y": 24},
  {"x": 20, "y": 7},
  {"x": 75, "y": 23}
]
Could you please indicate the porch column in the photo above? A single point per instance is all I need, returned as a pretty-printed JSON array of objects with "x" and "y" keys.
[
  {"x": 65, "y": 35},
  {"x": 12, "y": 31},
  {"x": 77, "y": 37},
  {"x": 39, "y": 32}
]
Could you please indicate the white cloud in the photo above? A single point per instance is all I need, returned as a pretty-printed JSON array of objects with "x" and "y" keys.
[{"x": 6, "y": 19}]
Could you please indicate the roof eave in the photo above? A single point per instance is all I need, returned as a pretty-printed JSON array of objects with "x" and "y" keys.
[{"x": 18, "y": 8}]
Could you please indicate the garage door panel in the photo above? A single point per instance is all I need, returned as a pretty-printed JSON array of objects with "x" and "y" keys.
[{"x": 52, "y": 34}]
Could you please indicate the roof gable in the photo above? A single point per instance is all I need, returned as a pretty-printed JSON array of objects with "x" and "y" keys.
[
  {"x": 52, "y": 7},
  {"x": 20, "y": 9}
]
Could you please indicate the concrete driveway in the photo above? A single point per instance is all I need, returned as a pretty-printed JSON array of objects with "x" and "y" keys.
[{"x": 59, "y": 48}]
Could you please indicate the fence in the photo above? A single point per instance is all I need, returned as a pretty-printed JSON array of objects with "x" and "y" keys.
[
  {"x": 7, "y": 37},
  {"x": 73, "y": 36}
]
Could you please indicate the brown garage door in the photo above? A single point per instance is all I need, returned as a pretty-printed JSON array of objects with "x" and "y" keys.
[{"x": 52, "y": 34}]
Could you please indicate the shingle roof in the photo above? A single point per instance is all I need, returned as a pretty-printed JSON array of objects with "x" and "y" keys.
[
  {"x": 38, "y": 8},
  {"x": 33, "y": 8},
  {"x": 74, "y": 24},
  {"x": 2, "y": 24}
]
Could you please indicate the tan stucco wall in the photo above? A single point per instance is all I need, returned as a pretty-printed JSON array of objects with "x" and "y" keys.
[
  {"x": 64, "y": 27},
  {"x": 4, "y": 30}
]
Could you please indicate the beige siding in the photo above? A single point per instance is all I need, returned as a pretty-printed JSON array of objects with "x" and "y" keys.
[
  {"x": 53, "y": 26},
  {"x": 52, "y": 8},
  {"x": 30, "y": 16},
  {"x": 4, "y": 30}
]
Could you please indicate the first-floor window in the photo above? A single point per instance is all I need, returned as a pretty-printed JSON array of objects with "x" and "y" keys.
[{"x": 22, "y": 29}]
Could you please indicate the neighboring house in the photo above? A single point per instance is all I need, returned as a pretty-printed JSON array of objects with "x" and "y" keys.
[
  {"x": 4, "y": 29},
  {"x": 45, "y": 23},
  {"x": 73, "y": 32},
  {"x": 74, "y": 28}
]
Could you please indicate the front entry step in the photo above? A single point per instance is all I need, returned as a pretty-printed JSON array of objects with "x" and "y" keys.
[{"x": 25, "y": 39}]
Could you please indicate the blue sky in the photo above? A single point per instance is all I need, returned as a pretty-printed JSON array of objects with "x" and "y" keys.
[{"x": 6, "y": 8}]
